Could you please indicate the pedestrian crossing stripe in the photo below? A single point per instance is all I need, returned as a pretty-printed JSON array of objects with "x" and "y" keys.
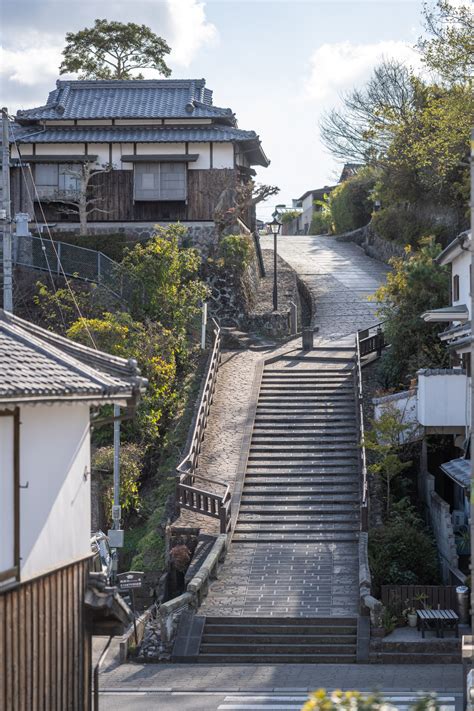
[{"x": 272, "y": 702}]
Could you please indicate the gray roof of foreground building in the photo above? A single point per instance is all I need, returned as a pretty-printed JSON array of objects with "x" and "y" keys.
[
  {"x": 217, "y": 133},
  {"x": 40, "y": 366},
  {"x": 128, "y": 99}
]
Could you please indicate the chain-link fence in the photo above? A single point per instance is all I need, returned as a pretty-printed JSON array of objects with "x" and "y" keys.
[{"x": 62, "y": 259}]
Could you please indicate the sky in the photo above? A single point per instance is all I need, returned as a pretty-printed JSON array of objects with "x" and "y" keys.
[{"x": 279, "y": 64}]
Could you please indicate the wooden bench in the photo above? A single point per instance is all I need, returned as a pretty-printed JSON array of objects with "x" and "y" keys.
[{"x": 437, "y": 619}]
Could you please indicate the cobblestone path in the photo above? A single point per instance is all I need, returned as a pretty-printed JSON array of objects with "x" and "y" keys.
[{"x": 340, "y": 276}]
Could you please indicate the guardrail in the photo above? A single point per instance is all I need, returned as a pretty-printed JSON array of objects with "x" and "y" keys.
[
  {"x": 364, "y": 488},
  {"x": 188, "y": 495}
]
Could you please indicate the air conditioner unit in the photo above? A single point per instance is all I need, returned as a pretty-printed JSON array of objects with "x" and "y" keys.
[{"x": 458, "y": 519}]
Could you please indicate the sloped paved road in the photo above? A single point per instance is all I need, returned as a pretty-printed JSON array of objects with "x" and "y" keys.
[{"x": 340, "y": 276}]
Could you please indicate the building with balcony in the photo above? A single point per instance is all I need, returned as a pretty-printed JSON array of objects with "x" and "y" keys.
[{"x": 167, "y": 150}]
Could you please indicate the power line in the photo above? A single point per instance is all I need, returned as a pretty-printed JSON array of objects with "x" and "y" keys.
[{"x": 38, "y": 200}]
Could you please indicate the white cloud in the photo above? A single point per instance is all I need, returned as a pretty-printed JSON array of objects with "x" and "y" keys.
[
  {"x": 32, "y": 63},
  {"x": 343, "y": 65},
  {"x": 190, "y": 30}
]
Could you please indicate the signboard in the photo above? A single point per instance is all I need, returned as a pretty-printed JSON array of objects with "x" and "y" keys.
[{"x": 130, "y": 581}]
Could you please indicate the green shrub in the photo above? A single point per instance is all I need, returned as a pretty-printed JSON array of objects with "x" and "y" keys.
[
  {"x": 320, "y": 223},
  {"x": 401, "y": 553},
  {"x": 289, "y": 216},
  {"x": 236, "y": 251},
  {"x": 130, "y": 472},
  {"x": 350, "y": 202},
  {"x": 405, "y": 225}
]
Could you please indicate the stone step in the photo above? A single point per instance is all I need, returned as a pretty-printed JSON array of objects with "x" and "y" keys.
[
  {"x": 330, "y": 520},
  {"x": 320, "y": 435},
  {"x": 297, "y": 489},
  {"x": 294, "y": 460},
  {"x": 333, "y": 469},
  {"x": 308, "y": 447},
  {"x": 347, "y": 509},
  {"x": 258, "y": 647},
  {"x": 304, "y": 500},
  {"x": 298, "y": 479},
  {"x": 279, "y": 636},
  {"x": 298, "y": 527},
  {"x": 275, "y": 658},
  {"x": 284, "y": 621},
  {"x": 306, "y": 537}
]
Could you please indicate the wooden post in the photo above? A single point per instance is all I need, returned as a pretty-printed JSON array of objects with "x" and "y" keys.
[{"x": 7, "y": 217}]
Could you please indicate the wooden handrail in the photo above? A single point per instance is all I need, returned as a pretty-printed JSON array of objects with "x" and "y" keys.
[{"x": 189, "y": 496}]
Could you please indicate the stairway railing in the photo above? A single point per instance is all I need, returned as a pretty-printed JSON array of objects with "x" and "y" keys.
[
  {"x": 364, "y": 487},
  {"x": 197, "y": 498},
  {"x": 372, "y": 340}
]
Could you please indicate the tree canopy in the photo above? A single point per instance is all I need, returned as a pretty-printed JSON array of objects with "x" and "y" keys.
[{"x": 114, "y": 50}]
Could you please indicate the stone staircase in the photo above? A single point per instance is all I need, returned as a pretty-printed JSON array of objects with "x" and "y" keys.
[
  {"x": 302, "y": 482},
  {"x": 279, "y": 640},
  {"x": 288, "y": 589}
]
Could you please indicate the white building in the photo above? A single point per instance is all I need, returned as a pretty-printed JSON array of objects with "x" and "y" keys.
[{"x": 48, "y": 387}]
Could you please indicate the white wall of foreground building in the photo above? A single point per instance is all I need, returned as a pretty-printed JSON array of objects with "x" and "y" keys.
[
  {"x": 55, "y": 507},
  {"x": 443, "y": 398},
  {"x": 405, "y": 404},
  {"x": 461, "y": 268}
]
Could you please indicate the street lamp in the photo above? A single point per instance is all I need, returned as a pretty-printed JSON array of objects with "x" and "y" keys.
[{"x": 275, "y": 229}]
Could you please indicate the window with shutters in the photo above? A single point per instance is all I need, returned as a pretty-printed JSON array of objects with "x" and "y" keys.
[
  {"x": 456, "y": 287},
  {"x": 160, "y": 181}
]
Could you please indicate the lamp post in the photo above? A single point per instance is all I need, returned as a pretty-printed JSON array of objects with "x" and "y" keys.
[{"x": 275, "y": 229}]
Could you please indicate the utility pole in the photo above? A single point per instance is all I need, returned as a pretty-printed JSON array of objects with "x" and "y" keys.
[
  {"x": 470, "y": 680},
  {"x": 6, "y": 217},
  {"x": 116, "y": 534}
]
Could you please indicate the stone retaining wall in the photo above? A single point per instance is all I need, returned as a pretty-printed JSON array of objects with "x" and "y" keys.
[
  {"x": 202, "y": 235},
  {"x": 373, "y": 245}
]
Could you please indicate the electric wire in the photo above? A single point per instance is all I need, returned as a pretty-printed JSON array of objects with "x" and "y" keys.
[{"x": 38, "y": 200}]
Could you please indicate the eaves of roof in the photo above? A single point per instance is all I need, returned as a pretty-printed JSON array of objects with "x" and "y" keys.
[
  {"x": 144, "y": 134},
  {"x": 40, "y": 366},
  {"x": 454, "y": 249}
]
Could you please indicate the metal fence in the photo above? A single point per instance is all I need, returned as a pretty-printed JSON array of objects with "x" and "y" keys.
[{"x": 63, "y": 259}]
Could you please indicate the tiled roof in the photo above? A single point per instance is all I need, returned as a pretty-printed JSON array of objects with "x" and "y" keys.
[
  {"x": 39, "y": 366},
  {"x": 143, "y": 134},
  {"x": 139, "y": 99},
  {"x": 130, "y": 134},
  {"x": 459, "y": 470}
]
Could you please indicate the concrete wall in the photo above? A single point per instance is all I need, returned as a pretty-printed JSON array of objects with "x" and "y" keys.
[
  {"x": 405, "y": 404},
  {"x": 440, "y": 520},
  {"x": 443, "y": 398},
  {"x": 55, "y": 507}
]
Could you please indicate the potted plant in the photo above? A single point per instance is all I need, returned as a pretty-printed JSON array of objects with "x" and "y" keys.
[
  {"x": 463, "y": 541},
  {"x": 409, "y": 613}
]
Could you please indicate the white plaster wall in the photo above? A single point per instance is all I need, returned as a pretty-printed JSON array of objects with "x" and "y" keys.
[
  {"x": 443, "y": 400},
  {"x": 460, "y": 267},
  {"x": 56, "y": 149},
  {"x": 204, "y": 160},
  {"x": 67, "y": 122},
  {"x": 94, "y": 122},
  {"x": 187, "y": 122},
  {"x": 307, "y": 203},
  {"x": 6, "y": 494},
  {"x": 119, "y": 150},
  {"x": 101, "y": 150},
  {"x": 160, "y": 148},
  {"x": 55, "y": 508},
  {"x": 223, "y": 155},
  {"x": 405, "y": 404},
  {"x": 138, "y": 122}
]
